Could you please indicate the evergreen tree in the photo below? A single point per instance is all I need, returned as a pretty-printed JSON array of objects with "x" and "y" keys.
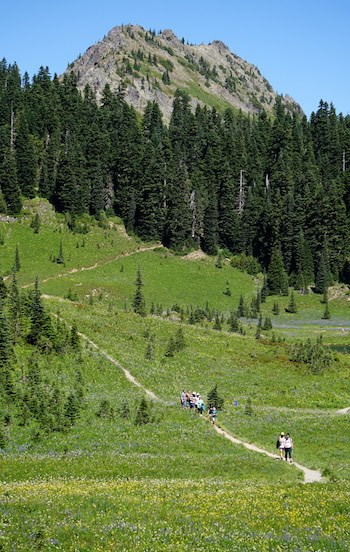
[
  {"x": 49, "y": 166},
  {"x": 125, "y": 410},
  {"x": 35, "y": 224},
  {"x": 17, "y": 262},
  {"x": 149, "y": 354},
  {"x": 234, "y": 323},
  {"x": 126, "y": 153},
  {"x": 72, "y": 192},
  {"x": 292, "y": 307},
  {"x": 304, "y": 269},
  {"x": 241, "y": 309},
  {"x": 227, "y": 290},
  {"x": 210, "y": 238},
  {"x": 325, "y": 296},
  {"x": 180, "y": 342},
  {"x": 217, "y": 322},
  {"x": 71, "y": 410},
  {"x": 214, "y": 399},
  {"x": 264, "y": 290},
  {"x": 267, "y": 325},
  {"x": 219, "y": 260},
  {"x": 3, "y": 206},
  {"x": 277, "y": 279},
  {"x": 150, "y": 213},
  {"x": 74, "y": 337},
  {"x": 5, "y": 341},
  {"x": 143, "y": 415},
  {"x": 171, "y": 348},
  {"x": 37, "y": 316},
  {"x": 9, "y": 184},
  {"x": 60, "y": 257},
  {"x": 323, "y": 275},
  {"x": 26, "y": 160},
  {"x": 326, "y": 314},
  {"x": 14, "y": 308},
  {"x": 139, "y": 304},
  {"x": 105, "y": 410},
  {"x": 6, "y": 353},
  {"x": 3, "y": 292},
  {"x": 258, "y": 328},
  {"x": 229, "y": 220},
  {"x": 177, "y": 228}
]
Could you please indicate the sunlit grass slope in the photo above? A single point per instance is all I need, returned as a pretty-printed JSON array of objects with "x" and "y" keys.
[
  {"x": 168, "y": 280},
  {"x": 283, "y": 394},
  {"x": 173, "y": 484}
]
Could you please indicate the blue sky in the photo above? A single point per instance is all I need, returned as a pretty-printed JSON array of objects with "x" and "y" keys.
[{"x": 300, "y": 46}]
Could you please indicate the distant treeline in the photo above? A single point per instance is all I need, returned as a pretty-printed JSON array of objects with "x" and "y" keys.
[{"x": 276, "y": 188}]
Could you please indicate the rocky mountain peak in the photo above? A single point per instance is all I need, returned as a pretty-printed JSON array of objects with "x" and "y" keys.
[{"x": 152, "y": 66}]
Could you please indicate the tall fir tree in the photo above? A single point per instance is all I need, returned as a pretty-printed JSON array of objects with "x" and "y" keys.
[
  {"x": 37, "y": 315},
  {"x": 9, "y": 184},
  {"x": 26, "y": 159},
  {"x": 277, "y": 279},
  {"x": 323, "y": 274},
  {"x": 139, "y": 304}
]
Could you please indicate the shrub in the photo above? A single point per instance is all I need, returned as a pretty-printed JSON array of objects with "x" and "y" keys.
[
  {"x": 315, "y": 355},
  {"x": 246, "y": 263}
]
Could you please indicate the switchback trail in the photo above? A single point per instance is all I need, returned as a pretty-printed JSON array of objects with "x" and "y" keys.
[
  {"x": 97, "y": 264},
  {"x": 310, "y": 476}
]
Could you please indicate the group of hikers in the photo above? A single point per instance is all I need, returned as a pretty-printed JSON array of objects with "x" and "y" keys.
[
  {"x": 195, "y": 401},
  {"x": 284, "y": 445}
]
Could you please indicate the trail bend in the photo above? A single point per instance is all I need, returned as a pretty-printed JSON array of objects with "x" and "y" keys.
[
  {"x": 97, "y": 264},
  {"x": 310, "y": 476}
]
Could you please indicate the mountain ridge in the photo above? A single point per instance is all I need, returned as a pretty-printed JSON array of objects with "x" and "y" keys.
[{"x": 151, "y": 67}]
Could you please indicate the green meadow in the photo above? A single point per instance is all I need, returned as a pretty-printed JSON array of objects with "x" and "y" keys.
[{"x": 173, "y": 483}]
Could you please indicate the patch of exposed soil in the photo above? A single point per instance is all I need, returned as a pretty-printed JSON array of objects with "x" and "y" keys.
[{"x": 195, "y": 255}]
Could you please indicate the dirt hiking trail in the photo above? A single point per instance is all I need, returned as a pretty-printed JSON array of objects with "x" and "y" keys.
[
  {"x": 310, "y": 476},
  {"x": 97, "y": 264}
]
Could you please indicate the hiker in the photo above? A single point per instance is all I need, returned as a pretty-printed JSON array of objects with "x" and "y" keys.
[
  {"x": 212, "y": 414},
  {"x": 200, "y": 405},
  {"x": 183, "y": 399},
  {"x": 288, "y": 448},
  {"x": 193, "y": 400},
  {"x": 280, "y": 445}
]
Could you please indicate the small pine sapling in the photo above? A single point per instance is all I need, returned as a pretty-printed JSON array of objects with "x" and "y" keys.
[
  {"x": 248, "y": 407},
  {"x": 326, "y": 314},
  {"x": 143, "y": 415},
  {"x": 60, "y": 257}
]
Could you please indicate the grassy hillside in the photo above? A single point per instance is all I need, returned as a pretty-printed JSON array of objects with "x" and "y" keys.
[{"x": 106, "y": 483}]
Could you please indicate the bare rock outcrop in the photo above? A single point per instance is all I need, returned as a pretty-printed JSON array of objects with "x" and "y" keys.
[{"x": 151, "y": 67}]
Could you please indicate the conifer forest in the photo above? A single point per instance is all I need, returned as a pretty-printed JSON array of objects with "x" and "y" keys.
[
  {"x": 174, "y": 295},
  {"x": 273, "y": 187}
]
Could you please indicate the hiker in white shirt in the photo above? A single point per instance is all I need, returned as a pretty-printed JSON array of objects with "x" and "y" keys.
[
  {"x": 288, "y": 448},
  {"x": 280, "y": 445}
]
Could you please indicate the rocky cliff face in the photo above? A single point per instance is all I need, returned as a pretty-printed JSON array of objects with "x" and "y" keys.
[{"x": 152, "y": 66}]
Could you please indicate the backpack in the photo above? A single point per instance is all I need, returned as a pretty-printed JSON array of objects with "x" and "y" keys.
[{"x": 278, "y": 443}]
